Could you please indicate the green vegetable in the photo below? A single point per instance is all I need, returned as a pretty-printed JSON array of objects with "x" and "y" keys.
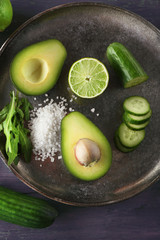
[
  {"x": 25, "y": 143},
  {"x": 120, "y": 145},
  {"x": 12, "y": 118},
  {"x": 125, "y": 65},
  {"x": 25, "y": 210},
  {"x": 128, "y": 137},
  {"x": 136, "y": 105},
  {"x": 136, "y": 126},
  {"x": 3, "y": 113},
  {"x": 136, "y": 117}
]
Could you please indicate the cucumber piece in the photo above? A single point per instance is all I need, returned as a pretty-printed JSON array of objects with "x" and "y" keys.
[
  {"x": 128, "y": 137},
  {"x": 130, "y": 118},
  {"x": 136, "y": 105},
  {"x": 137, "y": 126},
  {"x": 120, "y": 146},
  {"x": 125, "y": 65},
  {"x": 25, "y": 210}
]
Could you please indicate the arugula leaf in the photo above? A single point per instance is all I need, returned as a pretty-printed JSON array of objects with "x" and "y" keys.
[
  {"x": 12, "y": 154},
  {"x": 7, "y": 124},
  {"x": 3, "y": 113},
  {"x": 26, "y": 107},
  {"x": 1, "y": 127},
  {"x": 26, "y": 145},
  {"x": 20, "y": 112},
  {"x": 12, "y": 117},
  {"x": 16, "y": 160}
]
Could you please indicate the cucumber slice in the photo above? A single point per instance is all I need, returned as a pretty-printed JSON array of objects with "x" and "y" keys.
[
  {"x": 120, "y": 146},
  {"x": 125, "y": 65},
  {"x": 128, "y": 137},
  {"x": 137, "y": 127},
  {"x": 136, "y": 105},
  {"x": 130, "y": 118}
]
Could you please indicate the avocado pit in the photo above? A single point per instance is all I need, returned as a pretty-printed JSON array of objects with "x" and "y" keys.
[{"x": 87, "y": 152}]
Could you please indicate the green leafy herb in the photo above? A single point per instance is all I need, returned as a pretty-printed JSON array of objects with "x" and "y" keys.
[
  {"x": 26, "y": 107},
  {"x": 3, "y": 113},
  {"x": 12, "y": 118},
  {"x": 26, "y": 146}
]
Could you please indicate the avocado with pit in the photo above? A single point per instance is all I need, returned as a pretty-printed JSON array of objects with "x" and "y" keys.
[
  {"x": 85, "y": 150},
  {"x": 36, "y": 68}
]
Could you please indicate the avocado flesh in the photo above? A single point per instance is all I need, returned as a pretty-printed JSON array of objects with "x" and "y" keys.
[
  {"x": 76, "y": 126},
  {"x": 36, "y": 68}
]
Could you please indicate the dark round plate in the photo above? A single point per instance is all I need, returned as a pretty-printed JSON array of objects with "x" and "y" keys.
[{"x": 86, "y": 30}]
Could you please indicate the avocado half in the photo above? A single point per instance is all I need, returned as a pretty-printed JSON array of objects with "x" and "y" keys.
[
  {"x": 36, "y": 68},
  {"x": 76, "y": 126}
]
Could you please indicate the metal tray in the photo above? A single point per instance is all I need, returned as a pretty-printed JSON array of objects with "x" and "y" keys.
[{"x": 86, "y": 29}]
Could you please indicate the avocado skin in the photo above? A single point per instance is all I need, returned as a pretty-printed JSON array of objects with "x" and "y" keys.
[
  {"x": 75, "y": 126},
  {"x": 53, "y": 52}
]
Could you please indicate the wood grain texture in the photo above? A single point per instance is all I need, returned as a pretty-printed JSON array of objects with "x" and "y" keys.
[{"x": 135, "y": 218}]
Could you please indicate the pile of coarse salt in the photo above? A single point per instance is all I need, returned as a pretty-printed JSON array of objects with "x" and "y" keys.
[{"x": 44, "y": 125}]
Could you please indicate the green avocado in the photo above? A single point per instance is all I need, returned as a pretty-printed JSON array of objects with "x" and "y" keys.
[
  {"x": 36, "y": 68},
  {"x": 79, "y": 133}
]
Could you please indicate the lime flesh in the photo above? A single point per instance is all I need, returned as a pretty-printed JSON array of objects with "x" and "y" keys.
[{"x": 88, "y": 78}]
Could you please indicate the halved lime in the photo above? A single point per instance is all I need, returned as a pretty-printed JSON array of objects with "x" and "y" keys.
[{"x": 88, "y": 78}]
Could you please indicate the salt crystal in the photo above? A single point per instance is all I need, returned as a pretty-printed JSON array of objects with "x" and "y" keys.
[
  {"x": 45, "y": 125},
  {"x": 93, "y": 110}
]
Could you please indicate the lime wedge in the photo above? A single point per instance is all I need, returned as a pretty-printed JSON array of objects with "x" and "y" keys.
[{"x": 88, "y": 78}]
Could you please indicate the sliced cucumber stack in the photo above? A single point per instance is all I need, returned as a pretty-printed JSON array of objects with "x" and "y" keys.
[
  {"x": 137, "y": 112},
  {"x": 136, "y": 117}
]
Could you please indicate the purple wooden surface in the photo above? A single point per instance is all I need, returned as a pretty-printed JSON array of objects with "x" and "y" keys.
[{"x": 135, "y": 218}]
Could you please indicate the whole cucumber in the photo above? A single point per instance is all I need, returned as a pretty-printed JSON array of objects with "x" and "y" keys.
[
  {"x": 25, "y": 210},
  {"x": 125, "y": 65}
]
